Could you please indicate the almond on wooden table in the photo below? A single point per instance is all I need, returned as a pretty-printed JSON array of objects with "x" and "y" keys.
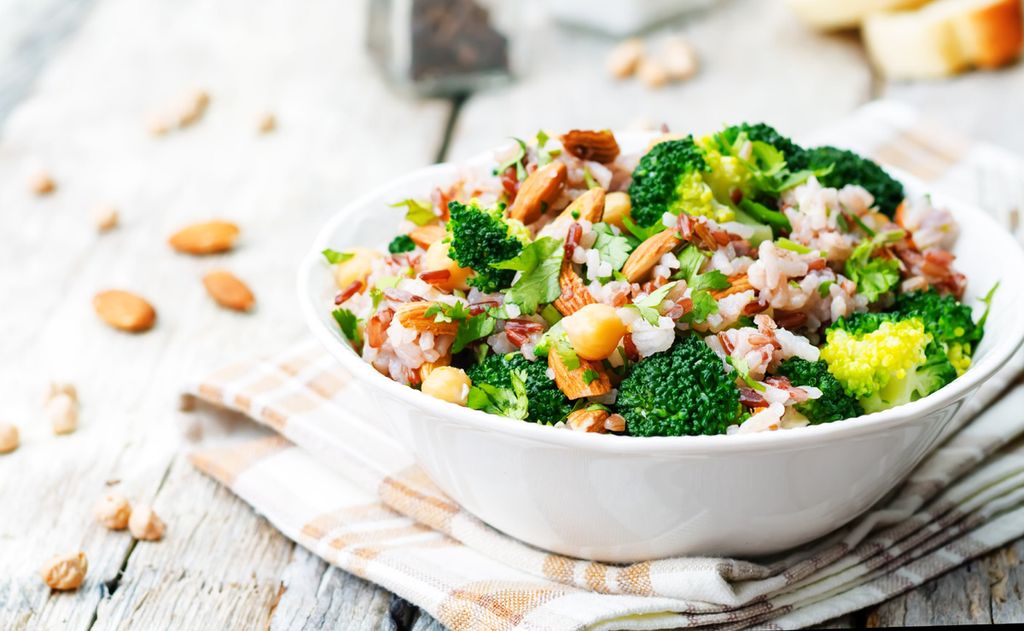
[
  {"x": 124, "y": 310},
  {"x": 538, "y": 191},
  {"x": 65, "y": 572},
  {"x": 228, "y": 290},
  {"x": 208, "y": 237}
]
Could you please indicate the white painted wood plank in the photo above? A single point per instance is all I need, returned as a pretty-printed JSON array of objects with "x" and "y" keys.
[
  {"x": 341, "y": 131},
  {"x": 757, "y": 63}
]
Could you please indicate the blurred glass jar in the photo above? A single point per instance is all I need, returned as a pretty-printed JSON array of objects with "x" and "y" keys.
[{"x": 445, "y": 47}]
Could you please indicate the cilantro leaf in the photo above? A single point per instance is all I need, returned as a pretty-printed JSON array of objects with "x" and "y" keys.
[
  {"x": 349, "y": 324},
  {"x": 711, "y": 280},
  {"x": 516, "y": 160},
  {"x": 613, "y": 248},
  {"x": 874, "y": 276},
  {"x": 334, "y": 257},
  {"x": 649, "y": 304},
  {"x": 566, "y": 353},
  {"x": 444, "y": 312},
  {"x": 590, "y": 375},
  {"x": 825, "y": 287},
  {"x": 539, "y": 265},
  {"x": 418, "y": 211},
  {"x": 691, "y": 259},
  {"x": 641, "y": 234},
  {"x": 471, "y": 330},
  {"x": 743, "y": 369},
  {"x": 704, "y": 304}
]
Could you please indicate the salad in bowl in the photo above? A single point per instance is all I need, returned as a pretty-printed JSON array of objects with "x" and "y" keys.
[{"x": 728, "y": 284}]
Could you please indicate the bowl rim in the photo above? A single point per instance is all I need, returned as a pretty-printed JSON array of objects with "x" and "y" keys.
[{"x": 368, "y": 376}]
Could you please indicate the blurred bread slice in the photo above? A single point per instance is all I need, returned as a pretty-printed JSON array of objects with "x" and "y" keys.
[
  {"x": 944, "y": 38},
  {"x": 838, "y": 14}
]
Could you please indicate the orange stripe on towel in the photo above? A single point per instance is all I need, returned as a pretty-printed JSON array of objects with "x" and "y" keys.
[{"x": 227, "y": 463}]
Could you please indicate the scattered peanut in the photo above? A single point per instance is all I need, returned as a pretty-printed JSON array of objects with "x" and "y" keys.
[
  {"x": 62, "y": 411},
  {"x": 113, "y": 510},
  {"x": 42, "y": 183},
  {"x": 65, "y": 572},
  {"x": 145, "y": 524},
  {"x": 230, "y": 292},
  {"x": 624, "y": 58},
  {"x": 124, "y": 310},
  {"x": 594, "y": 331},
  {"x": 437, "y": 258},
  {"x": 679, "y": 59},
  {"x": 448, "y": 384},
  {"x": 652, "y": 73},
  {"x": 106, "y": 218},
  {"x": 356, "y": 267},
  {"x": 617, "y": 207},
  {"x": 9, "y": 437},
  {"x": 267, "y": 123}
]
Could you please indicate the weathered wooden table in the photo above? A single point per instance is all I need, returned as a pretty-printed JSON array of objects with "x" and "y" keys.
[{"x": 77, "y": 78}]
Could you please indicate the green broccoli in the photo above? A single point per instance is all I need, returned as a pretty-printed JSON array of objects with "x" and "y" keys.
[
  {"x": 669, "y": 179},
  {"x": 547, "y": 404},
  {"x": 885, "y": 359},
  {"x": 759, "y": 132},
  {"x": 401, "y": 243},
  {"x": 682, "y": 391},
  {"x": 479, "y": 238},
  {"x": 949, "y": 322},
  {"x": 833, "y": 404},
  {"x": 850, "y": 168}
]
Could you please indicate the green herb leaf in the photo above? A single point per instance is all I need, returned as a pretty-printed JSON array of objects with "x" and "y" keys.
[
  {"x": 613, "y": 248},
  {"x": 704, "y": 305},
  {"x": 792, "y": 246},
  {"x": 691, "y": 259},
  {"x": 566, "y": 353},
  {"x": 443, "y": 312},
  {"x": 743, "y": 369},
  {"x": 589, "y": 179},
  {"x": 825, "y": 287},
  {"x": 711, "y": 280},
  {"x": 539, "y": 265},
  {"x": 471, "y": 330},
  {"x": 516, "y": 160},
  {"x": 590, "y": 375},
  {"x": 639, "y": 233},
  {"x": 349, "y": 324},
  {"x": 334, "y": 257},
  {"x": 420, "y": 212},
  {"x": 550, "y": 314},
  {"x": 649, "y": 304},
  {"x": 874, "y": 276}
]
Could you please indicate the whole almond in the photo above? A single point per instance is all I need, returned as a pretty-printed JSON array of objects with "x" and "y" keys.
[
  {"x": 538, "y": 191},
  {"x": 209, "y": 237},
  {"x": 228, "y": 290},
  {"x": 124, "y": 310}
]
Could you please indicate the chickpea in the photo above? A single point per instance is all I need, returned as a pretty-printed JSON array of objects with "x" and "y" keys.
[
  {"x": 65, "y": 572},
  {"x": 355, "y": 268},
  {"x": 448, "y": 384},
  {"x": 437, "y": 258},
  {"x": 113, "y": 511},
  {"x": 145, "y": 524},
  {"x": 9, "y": 439},
  {"x": 594, "y": 331},
  {"x": 616, "y": 208}
]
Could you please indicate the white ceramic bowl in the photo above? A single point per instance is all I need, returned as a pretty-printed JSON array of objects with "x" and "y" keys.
[{"x": 621, "y": 498}]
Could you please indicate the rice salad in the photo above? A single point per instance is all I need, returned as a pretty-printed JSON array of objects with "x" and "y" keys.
[{"x": 726, "y": 284}]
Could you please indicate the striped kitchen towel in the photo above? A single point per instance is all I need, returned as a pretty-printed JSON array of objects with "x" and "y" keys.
[{"x": 325, "y": 475}]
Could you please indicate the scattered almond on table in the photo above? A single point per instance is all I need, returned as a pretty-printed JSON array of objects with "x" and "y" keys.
[
  {"x": 228, "y": 290},
  {"x": 113, "y": 510},
  {"x": 42, "y": 183},
  {"x": 65, "y": 572},
  {"x": 62, "y": 408},
  {"x": 9, "y": 437},
  {"x": 210, "y": 237},
  {"x": 145, "y": 524},
  {"x": 105, "y": 218},
  {"x": 124, "y": 310},
  {"x": 267, "y": 123}
]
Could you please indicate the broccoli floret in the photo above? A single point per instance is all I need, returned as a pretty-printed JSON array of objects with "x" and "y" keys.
[
  {"x": 479, "y": 238},
  {"x": 850, "y": 168},
  {"x": 547, "y": 404},
  {"x": 682, "y": 391},
  {"x": 885, "y": 360},
  {"x": 760, "y": 132},
  {"x": 669, "y": 178},
  {"x": 949, "y": 321},
  {"x": 833, "y": 404},
  {"x": 401, "y": 243}
]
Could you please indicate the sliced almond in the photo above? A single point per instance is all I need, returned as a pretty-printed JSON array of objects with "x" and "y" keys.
[
  {"x": 575, "y": 294},
  {"x": 124, "y": 310},
  {"x": 599, "y": 146},
  {"x": 228, "y": 290},
  {"x": 413, "y": 316},
  {"x": 425, "y": 236},
  {"x": 572, "y": 382},
  {"x": 587, "y": 420},
  {"x": 738, "y": 284},
  {"x": 643, "y": 259},
  {"x": 209, "y": 237},
  {"x": 536, "y": 194}
]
